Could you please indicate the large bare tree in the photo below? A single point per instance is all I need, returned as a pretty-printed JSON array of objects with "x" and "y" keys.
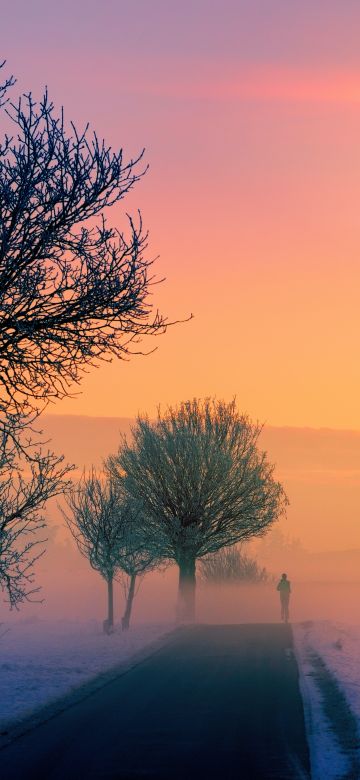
[
  {"x": 108, "y": 529},
  {"x": 73, "y": 288},
  {"x": 203, "y": 482}
]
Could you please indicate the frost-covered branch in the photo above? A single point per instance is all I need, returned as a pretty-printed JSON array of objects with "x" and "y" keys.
[{"x": 5, "y": 86}]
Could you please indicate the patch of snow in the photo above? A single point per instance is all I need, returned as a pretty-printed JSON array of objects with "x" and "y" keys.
[
  {"x": 41, "y": 661},
  {"x": 338, "y": 645},
  {"x": 326, "y": 758}
]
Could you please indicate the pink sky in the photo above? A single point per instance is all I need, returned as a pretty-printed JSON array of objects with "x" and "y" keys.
[{"x": 250, "y": 117}]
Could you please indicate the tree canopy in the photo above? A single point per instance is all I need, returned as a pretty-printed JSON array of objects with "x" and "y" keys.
[{"x": 203, "y": 481}]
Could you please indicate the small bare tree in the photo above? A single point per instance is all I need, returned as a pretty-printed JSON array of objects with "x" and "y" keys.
[
  {"x": 203, "y": 482},
  {"x": 73, "y": 290},
  {"x": 231, "y": 565},
  {"x": 138, "y": 553},
  {"x": 98, "y": 530},
  {"x": 29, "y": 476},
  {"x": 107, "y": 528}
]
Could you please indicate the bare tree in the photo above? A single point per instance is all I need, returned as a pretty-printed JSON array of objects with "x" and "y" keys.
[
  {"x": 29, "y": 476},
  {"x": 203, "y": 482},
  {"x": 107, "y": 530},
  {"x": 98, "y": 529},
  {"x": 138, "y": 554},
  {"x": 231, "y": 565},
  {"x": 73, "y": 289}
]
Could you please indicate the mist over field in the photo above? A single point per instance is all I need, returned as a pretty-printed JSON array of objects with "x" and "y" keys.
[{"x": 316, "y": 544}]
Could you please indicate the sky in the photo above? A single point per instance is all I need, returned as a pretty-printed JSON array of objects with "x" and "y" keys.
[{"x": 249, "y": 113}]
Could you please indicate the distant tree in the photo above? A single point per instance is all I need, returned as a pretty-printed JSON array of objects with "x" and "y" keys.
[
  {"x": 73, "y": 289},
  {"x": 279, "y": 550},
  {"x": 203, "y": 483},
  {"x": 106, "y": 529},
  {"x": 29, "y": 476},
  {"x": 231, "y": 565}
]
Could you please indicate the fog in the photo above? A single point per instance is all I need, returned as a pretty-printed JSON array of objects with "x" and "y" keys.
[
  {"x": 81, "y": 595},
  {"x": 317, "y": 544}
]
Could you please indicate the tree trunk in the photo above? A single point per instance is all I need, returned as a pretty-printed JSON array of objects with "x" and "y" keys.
[
  {"x": 187, "y": 585},
  {"x": 129, "y": 602},
  {"x": 108, "y": 624}
]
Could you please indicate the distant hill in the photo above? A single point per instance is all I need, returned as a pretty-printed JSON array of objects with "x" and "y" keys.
[
  {"x": 88, "y": 439},
  {"x": 310, "y": 448},
  {"x": 85, "y": 440}
]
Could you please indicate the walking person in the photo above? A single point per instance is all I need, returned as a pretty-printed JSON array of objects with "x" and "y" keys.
[{"x": 284, "y": 589}]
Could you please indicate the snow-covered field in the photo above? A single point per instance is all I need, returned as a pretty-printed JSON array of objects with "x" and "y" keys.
[
  {"x": 41, "y": 661},
  {"x": 328, "y": 654}
]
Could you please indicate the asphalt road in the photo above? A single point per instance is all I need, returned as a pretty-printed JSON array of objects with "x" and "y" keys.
[{"x": 215, "y": 702}]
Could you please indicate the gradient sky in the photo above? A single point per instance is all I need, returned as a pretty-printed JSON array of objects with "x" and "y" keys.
[{"x": 250, "y": 115}]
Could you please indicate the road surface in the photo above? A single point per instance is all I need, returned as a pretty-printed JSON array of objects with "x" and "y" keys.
[{"x": 215, "y": 702}]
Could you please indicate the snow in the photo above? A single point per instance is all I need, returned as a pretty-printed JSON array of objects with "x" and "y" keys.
[
  {"x": 41, "y": 661},
  {"x": 337, "y": 645}
]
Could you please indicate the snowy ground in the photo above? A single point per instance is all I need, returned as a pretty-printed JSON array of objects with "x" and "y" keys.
[
  {"x": 41, "y": 661},
  {"x": 328, "y": 654}
]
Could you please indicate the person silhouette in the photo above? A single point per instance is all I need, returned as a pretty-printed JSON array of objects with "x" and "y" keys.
[{"x": 284, "y": 589}]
